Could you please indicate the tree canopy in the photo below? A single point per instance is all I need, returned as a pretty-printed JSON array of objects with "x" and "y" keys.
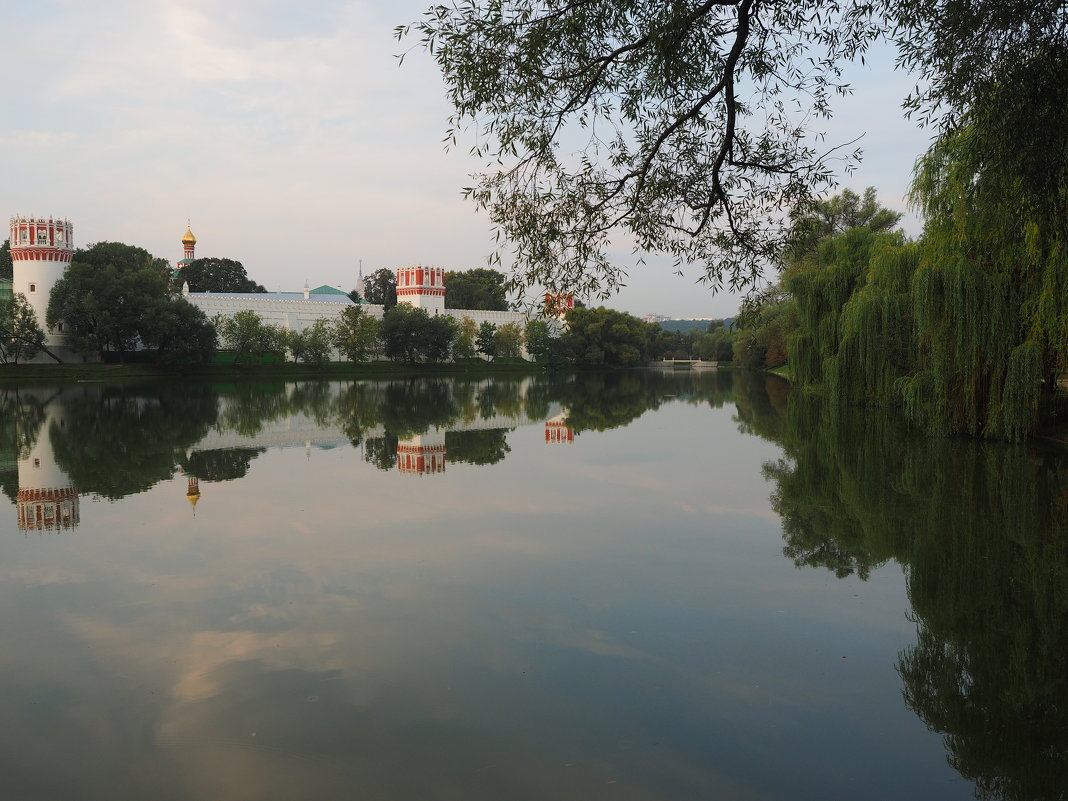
[
  {"x": 381, "y": 287},
  {"x": 7, "y": 269},
  {"x": 476, "y": 289},
  {"x": 687, "y": 128},
  {"x": 115, "y": 297},
  {"x": 675, "y": 126},
  {"x": 412, "y": 335},
  {"x": 217, "y": 275}
]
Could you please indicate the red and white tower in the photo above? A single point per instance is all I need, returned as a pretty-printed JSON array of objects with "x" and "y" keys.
[
  {"x": 41, "y": 250},
  {"x": 558, "y": 304},
  {"x": 423, "y": 454},
  {"x": 47, "y": 500},
  {"x": 422, "y": 287},
  {"x": 557, "y": 431}
]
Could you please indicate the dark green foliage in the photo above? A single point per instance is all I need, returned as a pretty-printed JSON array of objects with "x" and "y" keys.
[
  {"x": 381, "y": 287},
  {"x": 217, "y": 275},
  {"x": 312, "y": 345},
  {"x": 105, "y": 298},
  {"x": 355, "y": 334},
  {"x": 249, "y": 337},
  {"x": 815, "y": 222},
  {"x": 603, "y": 337},
  {"x": 181, "y": 333},
  {"x": 485, "y": 341},
  {"x": 6, "y": 267},
  {"x": 476, "y": 289},
  {"x": 540, "y": 341},
  {"x": 220, "y": 465},
  {"x": 410, "y": 334},
  {"x": 981, "y": 531},
  {"x": 20, "y": 335},
  {"x": 477, "y": 447}
]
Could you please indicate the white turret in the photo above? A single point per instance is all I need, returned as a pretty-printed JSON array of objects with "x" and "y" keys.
[
  {"x": 41, "y": 250},
  {"x": 47, "y": 500},
  {"x": 422, "y": 454},
  {"x": 422, "y": 287}
]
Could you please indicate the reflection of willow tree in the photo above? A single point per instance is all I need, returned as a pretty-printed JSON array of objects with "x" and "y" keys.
[
  {"x": 600, "y": 401},
  {"x": 477, "y": 447},
  {"x": 221, "y": 465},
  {"x": 21, "y": 417},
  {"x": 982, "y": 530},
  {"x": 119, "y": 441},
  {"x": 990, "y": 666}
]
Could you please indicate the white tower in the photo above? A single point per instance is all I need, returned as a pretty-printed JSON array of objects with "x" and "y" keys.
[
  {"x": 422, "y": 454},
  {"x": 47, "y": 501},
  {"x": 422, "y": 287},
  {"x": 41, "y": 250}
]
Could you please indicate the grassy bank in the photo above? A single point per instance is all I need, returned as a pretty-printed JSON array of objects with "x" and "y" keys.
[{"x": 63, "y": 373}]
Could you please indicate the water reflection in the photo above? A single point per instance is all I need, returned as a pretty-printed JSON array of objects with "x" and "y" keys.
[
  {"x": 982, "y": 532},
  {"x": 113, "y": 441},
  {"x": 594, "y": 617}
]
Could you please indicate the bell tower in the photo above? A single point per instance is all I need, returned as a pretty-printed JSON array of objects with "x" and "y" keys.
[{"x": 41, "y": 251}]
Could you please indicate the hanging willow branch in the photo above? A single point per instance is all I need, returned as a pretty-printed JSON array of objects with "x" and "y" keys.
[{"x": 681, "y": 128}]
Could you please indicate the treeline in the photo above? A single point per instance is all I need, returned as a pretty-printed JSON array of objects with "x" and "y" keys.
[
  {"x": 117, "y": 299},
  {"x": 965, "y": 328}
]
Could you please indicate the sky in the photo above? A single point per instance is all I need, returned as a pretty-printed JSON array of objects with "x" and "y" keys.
[{"x": 290, "y": 138}]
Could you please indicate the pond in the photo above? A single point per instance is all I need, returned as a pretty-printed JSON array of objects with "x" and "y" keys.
[{"x": 628, "y": 586}]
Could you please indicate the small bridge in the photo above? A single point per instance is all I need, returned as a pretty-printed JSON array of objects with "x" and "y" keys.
[{"x": 683, "y": 364}]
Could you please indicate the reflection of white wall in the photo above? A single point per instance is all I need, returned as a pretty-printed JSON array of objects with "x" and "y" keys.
[{"x": 46, "y": 499}]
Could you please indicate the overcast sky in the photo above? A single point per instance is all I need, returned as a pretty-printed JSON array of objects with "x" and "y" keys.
[{"x": 290, "y": 138}]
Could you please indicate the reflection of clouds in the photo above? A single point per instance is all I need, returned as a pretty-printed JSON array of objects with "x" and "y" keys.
[{"x": 319, "y": 626}]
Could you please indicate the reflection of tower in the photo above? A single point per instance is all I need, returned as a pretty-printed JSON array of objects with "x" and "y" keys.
[
  {"x": 46, "y": 500},
  {"x": 422, "y": 287},
  {"x": 422, "y": 454},
  {"x": 189, "y": 243},
  {"x": 41, "y": 250},
  {"x": 192, "y": 494},
  {"x": 557, "y": 431}
]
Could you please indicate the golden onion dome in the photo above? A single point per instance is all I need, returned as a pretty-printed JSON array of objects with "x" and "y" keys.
[{"x": 189, "y": 239}]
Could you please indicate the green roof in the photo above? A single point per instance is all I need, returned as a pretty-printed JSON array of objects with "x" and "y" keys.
[{"x": 327, "y": 290}]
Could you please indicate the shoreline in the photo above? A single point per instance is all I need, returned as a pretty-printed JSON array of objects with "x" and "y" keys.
[{"x": 86, "y": 373}]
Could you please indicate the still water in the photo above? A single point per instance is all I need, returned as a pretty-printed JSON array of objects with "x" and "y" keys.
[{"x": 632, "y": 586}]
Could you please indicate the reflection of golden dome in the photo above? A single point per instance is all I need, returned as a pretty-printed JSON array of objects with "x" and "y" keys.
[
  {"x": 189, "y": 239},
  {"x": 193, "y": 497}
]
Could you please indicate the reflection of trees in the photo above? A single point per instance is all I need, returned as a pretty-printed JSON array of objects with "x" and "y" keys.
[
  {"x": 477, "y": 447},
  {"x": 117, "y": 441},
  {"x": 249, "y": 405},
  {"x": 220, "y": 465},
  {"x": 21, "y": 417},
  {"x": 982, "y": 530},
  {"x": 601, "y": 401}
]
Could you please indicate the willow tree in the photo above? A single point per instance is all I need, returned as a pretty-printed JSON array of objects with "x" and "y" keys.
[{"x": 990, "y": 297}]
